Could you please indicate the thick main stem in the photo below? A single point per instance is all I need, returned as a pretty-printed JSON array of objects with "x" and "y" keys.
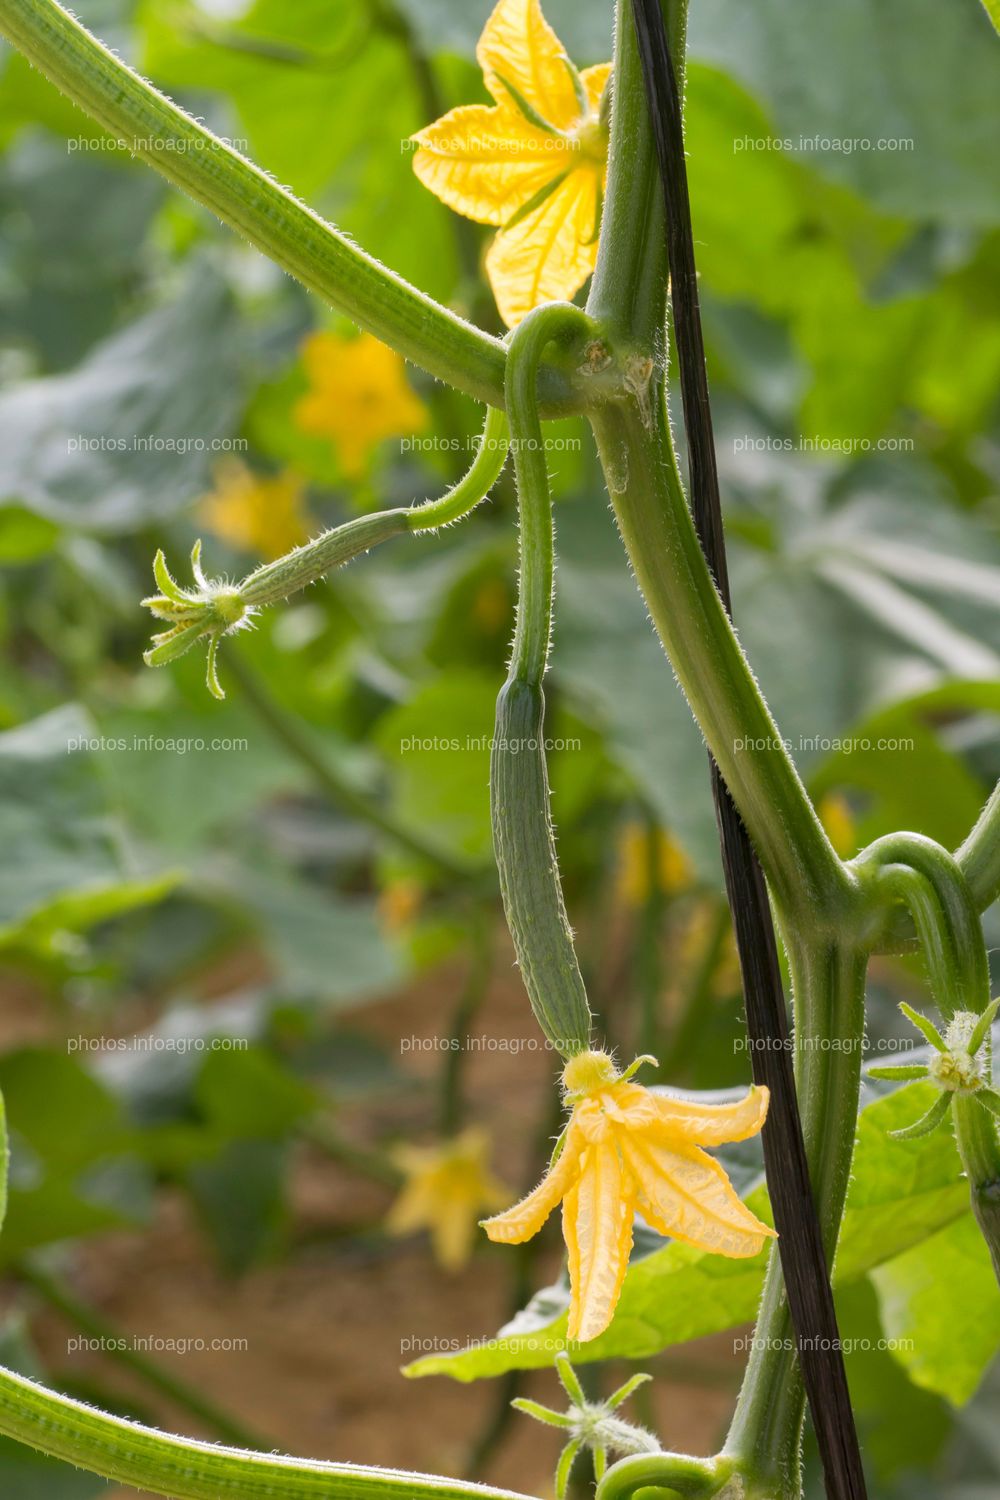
[
  {"x": 646, "y": 492},
  {"x": 828, "y": 986}
]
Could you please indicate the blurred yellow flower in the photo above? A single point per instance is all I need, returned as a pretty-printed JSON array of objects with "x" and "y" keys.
[
  {"x": 262, "y": 513},
  {"x": 358, "y": 396},
  {"x": 837, "y": 818},
  {"x": 534, "y": 164},
  {"x": 629, "y": 1151},
  {"x": 446, "y": 1188},
  {"x": 642, "y": 851},
  {"x": 399, "y": 903}
]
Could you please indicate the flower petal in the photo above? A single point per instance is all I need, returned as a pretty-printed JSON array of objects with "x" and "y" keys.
[
  {"x": 519, "y": 44},
  {"x": 683, "y": 1121},
  {"x": 526, "y": 1218},
  {"x": 685, "y": 1194},
  {"x": 487, "y": 162},
  {"x": 597, "y": 1226},
  {"x": 594, "y": 82},
  {"x": 548, "y": 255}
]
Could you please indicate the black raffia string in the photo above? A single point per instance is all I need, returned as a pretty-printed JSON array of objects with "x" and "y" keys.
[{"x": 800, "y": 1243}]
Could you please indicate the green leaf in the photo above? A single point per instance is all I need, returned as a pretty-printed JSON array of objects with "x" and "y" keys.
[
  {"x": 240, "y": 1196},
  {"x": 64, "y": 866},
  {"x": 896, "y": 62},
  {"x": 438, "y": 749},
  {"x": 132, "y": 433},
  {"x": 939, "y": 1301},
  {"x": 322, "y": 945},
  {"x": 249, "y": 1093},
  {"x": 901, "y": 1192}
]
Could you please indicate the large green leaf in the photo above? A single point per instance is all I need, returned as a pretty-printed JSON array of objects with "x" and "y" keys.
[
  {"x": 131, "y": 434},
  {"x": 899, "y": 65},
  {"x": 939, "y": 1305},
  {"x": 65, "y": 867},
  {"x": 901, "y": 1192}
]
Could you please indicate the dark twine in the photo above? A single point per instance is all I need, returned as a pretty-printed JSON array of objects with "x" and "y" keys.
[{"x": 800, "y": 1243}]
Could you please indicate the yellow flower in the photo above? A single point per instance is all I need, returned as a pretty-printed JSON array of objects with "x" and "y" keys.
[
  {"x": 837, "y": 818},
  {"x": 256, "y": 512},
  {"x": 399, "y": 904},
  {"x": 358, "y": 396},
  {"x": 535, "y": 164},
  {"x": 638, "y": 847},
  {"x": 629, "y": 1151},
  {"x": 446, "y": 1188}
]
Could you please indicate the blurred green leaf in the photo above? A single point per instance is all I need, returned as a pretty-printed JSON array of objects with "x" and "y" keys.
[
  {"x": 939, "y": 1302},
  {"x": 65, "y": 867},
  {"x": 240, "y": 1196},
  {"x": 131, "y": 434},
  {"x": 903, "y": 69}
]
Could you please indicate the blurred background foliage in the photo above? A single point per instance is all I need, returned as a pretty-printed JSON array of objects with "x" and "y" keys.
[{"x": 279, "y": 868}]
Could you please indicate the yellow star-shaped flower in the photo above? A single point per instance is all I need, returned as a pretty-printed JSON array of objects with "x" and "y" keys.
[
  {"x": 534, "y": 164},
  {"x": 256, "y": 512},
  {"x": 629, "y": 1151},
  {"x": 446, "y": 1188},
  {"x": 358, "y": 396}
]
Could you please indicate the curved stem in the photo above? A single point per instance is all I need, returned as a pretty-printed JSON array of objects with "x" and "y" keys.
[
  {"x": 666, "y": 1475},
  {"x": 645, "y": 487},
  {"x": 245, "y": 198},
  {"x": 929, "y": 881},
  {"x": 910, "y": 868},
  {"x": 979, "y": 856},
  {"x": 523, "y": 837},
  {"x": 184, "y": 1469}
]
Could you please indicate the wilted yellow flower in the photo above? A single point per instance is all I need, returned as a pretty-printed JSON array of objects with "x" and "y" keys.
[
  {"x": 629, "y": 1151},
  {"x": 534, "y": 164},
  {"x": 358, "y": 396},
  {"x": 446, "y": 1189},
  {"x": 837, "y": 818},
  {"x": 638, "y": 849},
  {"x": 262, "y": 513}
]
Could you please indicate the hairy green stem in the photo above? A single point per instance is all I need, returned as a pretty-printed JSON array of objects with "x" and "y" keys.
[
  {"x": 249, "y": 201},
  {"x": 636, "y": 450},
  {"x": 523, "y": 837},
  {"x": 979, "y": 856},
  {"x": 909, "y": 868},
  {"x": 828, "y": 988},
  {"x": 184, "y": 1469}
]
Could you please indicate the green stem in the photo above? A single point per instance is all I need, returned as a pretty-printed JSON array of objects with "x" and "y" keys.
[
  {"x": 245, "y": 198},
  {"x": 640, "y": 468},
  {"x": 828, "y": 986},
  {"x": 360, "y": 1159},
  {"x": 914, "y": 870},
  {"x": 184, "y": 1469},
  {"x": 930, "y": 882},
  {"x": 979, "y": 856},
  {"x": 472, "y": 996},
  {"x": 287, "y": 730},
  {"x": 115, "y": 1346}
]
